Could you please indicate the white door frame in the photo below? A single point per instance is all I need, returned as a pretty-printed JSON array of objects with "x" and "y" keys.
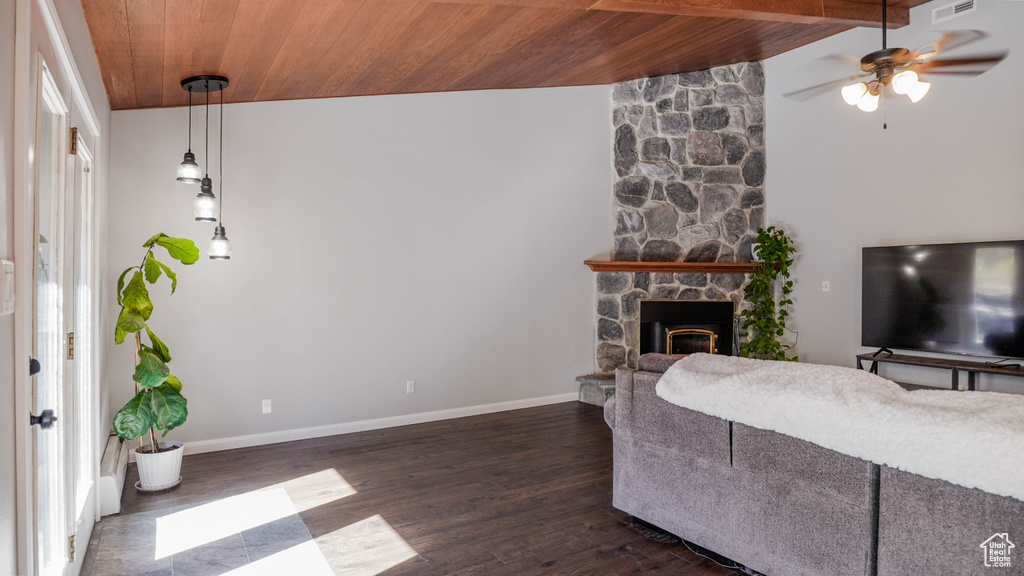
[{"x": 25, "y": 81}]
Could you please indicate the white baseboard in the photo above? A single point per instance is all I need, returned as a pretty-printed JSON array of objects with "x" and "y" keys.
[{"x": 215, "y": 445}]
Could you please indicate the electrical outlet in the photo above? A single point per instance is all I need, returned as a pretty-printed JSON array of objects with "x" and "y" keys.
[
  {"x": 410, "y": 386},
  {"x": 266, "y": 406},
  {"x": 825, "y": 286}
]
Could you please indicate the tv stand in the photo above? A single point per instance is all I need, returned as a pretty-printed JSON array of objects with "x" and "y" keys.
[{"x": 956, "y": 366}]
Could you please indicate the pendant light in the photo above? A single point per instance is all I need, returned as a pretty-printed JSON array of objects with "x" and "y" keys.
[
  {"x": 220, "y": 247},
  {"x": 206, "y": 202},
  {"x": 188, "y": 170}
]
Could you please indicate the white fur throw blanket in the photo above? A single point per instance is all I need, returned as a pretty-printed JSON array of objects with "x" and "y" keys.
[{"x": 973, "y": 439}]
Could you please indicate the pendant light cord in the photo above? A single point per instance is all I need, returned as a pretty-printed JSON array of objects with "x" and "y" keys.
[
  {"x": 207, "y": 124},
  {"x": 190, "y": 118},
  {"x": 220, "y": 161}
]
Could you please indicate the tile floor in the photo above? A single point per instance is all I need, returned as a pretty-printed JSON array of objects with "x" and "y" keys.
[{"x": 252, "y": 534}]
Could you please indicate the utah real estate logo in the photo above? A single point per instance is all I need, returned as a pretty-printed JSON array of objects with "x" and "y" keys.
[{"x": 997, "y": 550}]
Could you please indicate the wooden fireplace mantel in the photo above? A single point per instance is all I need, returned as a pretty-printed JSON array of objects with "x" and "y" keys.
[{"x": 672, "y": 267}]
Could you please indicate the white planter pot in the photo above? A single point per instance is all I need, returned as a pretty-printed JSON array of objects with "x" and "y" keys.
[{"x": 162, "y": 470}]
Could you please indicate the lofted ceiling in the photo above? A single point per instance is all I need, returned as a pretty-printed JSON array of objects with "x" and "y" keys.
[{"x": 293, "y": 49}]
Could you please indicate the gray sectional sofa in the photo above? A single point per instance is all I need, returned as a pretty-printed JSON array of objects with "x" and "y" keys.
[{"x": 787, "y": 507}]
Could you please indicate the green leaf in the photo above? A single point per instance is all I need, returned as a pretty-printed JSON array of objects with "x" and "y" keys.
[
  {"x": 120, "y": 283},
  {"x": 136, "y": 298},
  {"x": 151, "y": 370},
  {"x": 135, "y": 418},
  {"x": 173, "y": 382},
  {"x": 152, "y": 240},
  {"x": 128, "y": 322},
  {"x": 159, "y": 348},
  {"x": 170, "y": 409},
  {"x": 181, "y": 249},
  {"x": 151, "y": 268},
  {"x": 170, "y": 274}
]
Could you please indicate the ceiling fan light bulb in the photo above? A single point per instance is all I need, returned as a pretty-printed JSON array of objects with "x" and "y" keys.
[
  {"x": 853, "y": 93},
  {"x": 868, "y": 102},
  {"x": 918, "y": 91},
  {"x": 904, "y": 82}
]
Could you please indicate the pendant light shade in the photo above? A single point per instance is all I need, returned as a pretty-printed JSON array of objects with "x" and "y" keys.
[
  {"x": 189, "y": 171},
  {"x": 219, "y": 247},
  {"x": 205, "y": 207}
]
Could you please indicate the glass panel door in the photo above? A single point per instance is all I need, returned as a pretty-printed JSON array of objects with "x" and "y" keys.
[
  {"x": 80, "y": 375},
  {"x": 51, "y": 515}
]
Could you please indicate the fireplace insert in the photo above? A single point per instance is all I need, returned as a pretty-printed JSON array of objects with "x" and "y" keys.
[{"x": 683, "y": 327}]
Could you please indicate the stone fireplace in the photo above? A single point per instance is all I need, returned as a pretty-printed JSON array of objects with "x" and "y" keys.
[{"x": 690, "y": 163}]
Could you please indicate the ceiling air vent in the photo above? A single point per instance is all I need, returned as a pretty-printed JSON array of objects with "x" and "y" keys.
[{"x": 950, "y": 11}]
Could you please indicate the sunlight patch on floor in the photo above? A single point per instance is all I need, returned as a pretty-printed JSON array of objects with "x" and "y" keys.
[
  {"x": 219, "y": 519},
  {"x": 317, "y": 489},
  {"x": 305, "y": 559},
  {"x": 365, "y": 548},
  {"x": 212, "y": 521}
]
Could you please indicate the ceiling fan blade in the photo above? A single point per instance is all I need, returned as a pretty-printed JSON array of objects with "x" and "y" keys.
[
  {"x": 979, "y": 64},
  {"x": 954, "y": 72},
  {"x": 949, "y": 41},
  {"x": 812, "y": 91}
]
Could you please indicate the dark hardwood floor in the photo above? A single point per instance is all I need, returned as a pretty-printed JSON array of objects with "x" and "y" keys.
[{"x": 521, "y": 492}]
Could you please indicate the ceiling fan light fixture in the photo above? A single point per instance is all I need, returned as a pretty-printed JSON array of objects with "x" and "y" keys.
[
  {"x": 904, "y": 82},
  {"x": 868, "y": 102},
  {"x": 853, "y": 93},
  {"x": 918, "y": 91}
]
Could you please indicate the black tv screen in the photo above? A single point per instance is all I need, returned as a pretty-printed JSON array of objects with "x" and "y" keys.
[{"x": 954, "y": 298}]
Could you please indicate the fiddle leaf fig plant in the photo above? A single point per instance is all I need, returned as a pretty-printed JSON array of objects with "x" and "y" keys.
[
  {"x": 764, "y": 323},
  {"x": 158, "y": 403}
]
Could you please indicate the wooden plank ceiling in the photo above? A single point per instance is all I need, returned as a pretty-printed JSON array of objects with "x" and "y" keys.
[{"x": 292, "y": 49}]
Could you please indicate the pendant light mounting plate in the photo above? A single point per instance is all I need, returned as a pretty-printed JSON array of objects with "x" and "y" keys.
[{"x": 204, "y": 83}]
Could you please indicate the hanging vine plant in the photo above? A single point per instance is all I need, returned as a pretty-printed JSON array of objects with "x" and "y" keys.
[{"x": 764, "y": 323}]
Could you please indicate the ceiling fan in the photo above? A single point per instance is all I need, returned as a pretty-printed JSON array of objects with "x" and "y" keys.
[{"x": 901, "y": 68}]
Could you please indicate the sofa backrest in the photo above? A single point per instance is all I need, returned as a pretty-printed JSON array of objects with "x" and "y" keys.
[{"x": 656, "y": 362}]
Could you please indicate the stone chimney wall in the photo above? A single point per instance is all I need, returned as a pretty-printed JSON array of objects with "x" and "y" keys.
[{"x": 690, "y": 164}]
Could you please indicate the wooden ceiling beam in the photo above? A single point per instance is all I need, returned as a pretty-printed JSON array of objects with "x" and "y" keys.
[
  {"x": 867, "y": 13},
  {"x": 827, "y": 12}
]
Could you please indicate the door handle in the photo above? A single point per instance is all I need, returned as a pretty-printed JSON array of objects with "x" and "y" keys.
[
  {"x": 45, "y": 419},
  {"x": 33, "y": 367}
]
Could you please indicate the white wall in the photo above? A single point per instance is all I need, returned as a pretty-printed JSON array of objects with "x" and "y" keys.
[
  {"x": 435, "y": 237},
  {"x": 8, "y": 445},
  {"x": 947, "y": 169}
]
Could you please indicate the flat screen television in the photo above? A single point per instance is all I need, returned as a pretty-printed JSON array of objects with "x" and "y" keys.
[{"x": 963, "y": 298}]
